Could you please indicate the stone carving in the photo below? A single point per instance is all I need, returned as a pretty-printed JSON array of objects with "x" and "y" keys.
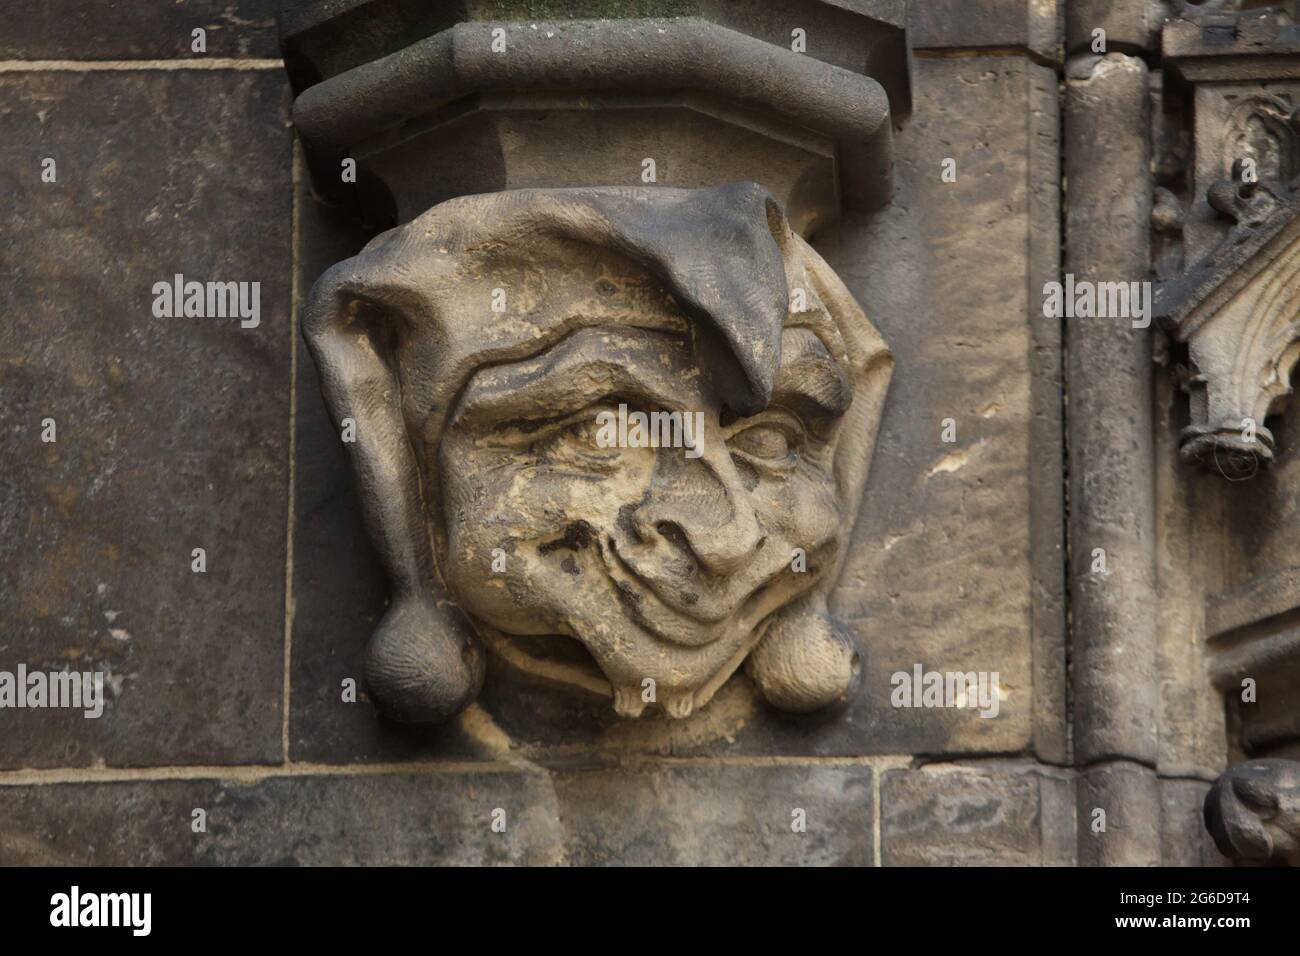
[
  {"x": 1253, "y": 812},
  {"x": 1264, "y": 129},
  {"x": 473, "y": 350},
  {"x": 1238, "y": 312},
  {"x": 409, "y": 115}
]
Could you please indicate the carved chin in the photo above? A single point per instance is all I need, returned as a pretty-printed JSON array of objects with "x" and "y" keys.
[{"x": 801, "y": 660}]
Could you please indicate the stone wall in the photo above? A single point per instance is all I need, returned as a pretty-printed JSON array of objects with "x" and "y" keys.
[{"x": 227, "y": 689}]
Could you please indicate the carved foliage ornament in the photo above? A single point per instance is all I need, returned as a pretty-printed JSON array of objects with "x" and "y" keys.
[{"x": 501, "y": 517}]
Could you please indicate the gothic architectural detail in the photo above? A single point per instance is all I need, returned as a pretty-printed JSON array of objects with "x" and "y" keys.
[
  {"x": 1231, "y": 68},
  {"x": 1263, "y": 130},
  {"x": 679, "y": 101},
  {"x": 705, "y": 474},
  {"x": 534, "y": 292},
  {"x": 1253, "y": 660},
  {"x": 1253, "y": 812},
  {"x": 1227, "y": 45},
  {"x": 479, "y": 358},
  {"x": 1237, "y": 312},
  {"x": 1236, "y": 309}
]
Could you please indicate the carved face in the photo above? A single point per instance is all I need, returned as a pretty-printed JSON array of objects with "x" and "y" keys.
[
  {"x": 484, "y": 352},
  {"x": 664, "y": 562}
]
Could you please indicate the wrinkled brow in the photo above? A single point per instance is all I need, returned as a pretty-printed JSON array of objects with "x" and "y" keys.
[
  {"x": 591, "y": 364},
  {"x": 595, "y": 363}
]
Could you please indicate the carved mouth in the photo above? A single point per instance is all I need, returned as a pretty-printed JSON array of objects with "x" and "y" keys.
[
  {"x": 675, "y": 625},
  {"x": 649, "y": 610}
]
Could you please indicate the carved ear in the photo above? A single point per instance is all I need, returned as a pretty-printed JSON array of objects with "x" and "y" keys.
[
  {"x": 423, "y": 663},
  {"x": 808, "y": 661},
  {"x": 872, "y": 366}
]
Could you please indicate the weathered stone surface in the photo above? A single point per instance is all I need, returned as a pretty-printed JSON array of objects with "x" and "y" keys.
[
  {"x": 1237, "y": 45},
  {"x": 171, "y": 433},
  {"x": 651, "y": 815},
  {"x": 339, "y": 592},
  {"x": 536, "y": 140},
  {"x": 1253, "y": 812},
  {"x": 1046, "y": 430},
  {"x": 441, "y": 818},
  {"x": 1236, "y": 602},
  {"x": 1191, "y": 710},
  {"x": 373, "y": 110},
  {"x": 1118, "y": 815},
  {"x": 325, "y": 37},
  {"x": 1112, "y": 495},
  {"x": 1253, "y": 650},
  {"x": 1184, "y": 840},
  {"x": 967, "y": 532},
  {"x": 1031, "y": 25},
  {"x": 987, "y": 814},
  {"x": 718, "y": 815},
  {"x": 507, "y": 492},
  {"x": 1234, "y": 122},
  {"x": 946, "y": 558},
  {"x": 1228, "y": 638},
  {"x": 1233, "y": 306},
  {"x": 174, "y": 428},
  {"x": 1130, "y": 25},
  {"x": 137, "y": 29}
]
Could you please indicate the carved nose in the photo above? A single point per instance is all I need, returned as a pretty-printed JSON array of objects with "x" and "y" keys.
[{"x": 719, "y": 530}]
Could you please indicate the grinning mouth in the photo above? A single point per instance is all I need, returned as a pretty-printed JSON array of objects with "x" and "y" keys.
[
  {"x": 668, "y": 622},
  {"x": 652, "y": 612}
]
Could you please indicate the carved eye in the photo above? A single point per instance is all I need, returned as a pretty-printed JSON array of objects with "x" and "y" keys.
[
  {"x": 575, "y": 430},
  {"x": 763, "y": 441},
  {"x": 583, "y": 432},
  {"x": 575, "y": 443}
]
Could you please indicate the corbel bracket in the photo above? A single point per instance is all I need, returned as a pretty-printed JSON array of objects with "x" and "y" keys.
[
  {"x": 802, "y": 99},
  {"x": 1238, "y": 313}
]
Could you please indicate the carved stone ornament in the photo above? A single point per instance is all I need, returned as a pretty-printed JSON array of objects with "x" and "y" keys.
[
  {"x": 1238, "y": 312},
  {"x": 477, "y": 350},
  {"x": 1253, "y": 812},
  {"x": 711, "y": 95}
]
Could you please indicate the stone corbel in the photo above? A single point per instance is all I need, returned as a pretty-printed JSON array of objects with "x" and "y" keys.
[
  {"x": 593, "y": 215},
  {"x": 1238, "y": 314},
  {"x": 462, "y": 103}
]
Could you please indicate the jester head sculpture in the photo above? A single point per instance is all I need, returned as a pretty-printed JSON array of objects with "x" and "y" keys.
[{"x": 483, "y": 353}]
